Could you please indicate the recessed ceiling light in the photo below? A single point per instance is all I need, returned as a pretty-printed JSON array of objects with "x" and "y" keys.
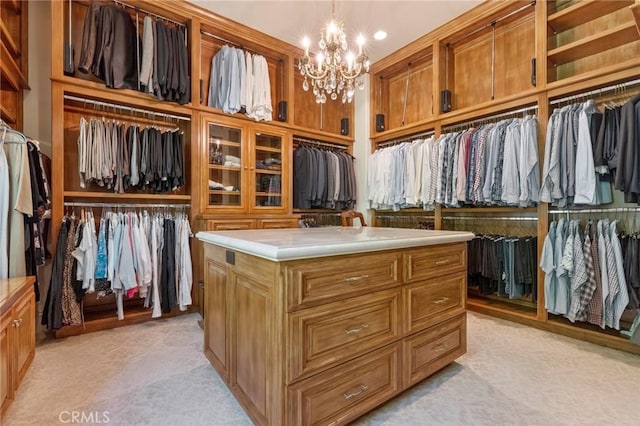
[{"x": 380, "y": 35}]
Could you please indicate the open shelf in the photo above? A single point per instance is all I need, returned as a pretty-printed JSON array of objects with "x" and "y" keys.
[
  {"x": 9, "y": 41},
  {"x": 268, "y": 149},
  {"x": 613, "y": 37},
  {"x": 105, "y": 321},
  {"x": 7, "y": 115},
  {"x": 230, "y": 168},
  {"x": 635, "y": 10},
  {"x": 582, "y": 12},
  {"x": 10, "y": 70},
  {"x": 223, "y": 192}
]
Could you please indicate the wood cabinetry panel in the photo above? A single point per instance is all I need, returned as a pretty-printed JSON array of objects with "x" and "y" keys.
[
  {"x": 326, "y": 334},
  {"x": 419, "y": 94},
  {"x": 430, "y": 262},
  {"x": 215, "y": 338},
  {"x": 433, "y": 301},
  {"x": 322, "y": 281},
  {"x": 6, "y": 388},
  {"x": 514, "y": 49},
  {"x": 325, "y": 117},
  {"x": 427, "y": 352},
  {"x": 346, "y": 392},
  {"x": 25, "y": 313},
  {"x": 251, "y": 336}
]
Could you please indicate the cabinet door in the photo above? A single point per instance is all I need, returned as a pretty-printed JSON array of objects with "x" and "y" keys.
[
  {"x": 250, "y": 332},
  {"x": 224, "y": 162},
  {"x": 25, "y": 336},
  {"x": 268, "y": 161},
  {"x": 215, "y": 324},
  {"x": 6, "y": 390}
]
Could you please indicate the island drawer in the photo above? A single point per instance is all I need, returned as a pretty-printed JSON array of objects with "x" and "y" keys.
[
  {"x": 341, "y": 394},
  {"x": 427, "y": 303},
  {"x": 430, "y": 350},
  {"x": 311, "y": 283},
  {"x": 324, "y": 335},
  {"x": 435, "y": 261}
]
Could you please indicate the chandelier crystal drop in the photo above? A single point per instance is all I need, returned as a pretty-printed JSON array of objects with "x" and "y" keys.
[{"x": 334, "y": 71}]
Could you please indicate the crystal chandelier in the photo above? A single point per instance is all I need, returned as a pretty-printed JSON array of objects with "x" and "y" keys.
[{"x": 336, "y": 70}]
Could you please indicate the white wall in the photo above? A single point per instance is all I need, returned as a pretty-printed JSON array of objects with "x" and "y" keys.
[
  {"x": 37, "y": 101},
  {"x": 362, "y": 146}
]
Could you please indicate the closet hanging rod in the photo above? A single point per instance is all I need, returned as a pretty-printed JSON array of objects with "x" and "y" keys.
[
  {"x": 136, "y": 206},
  {"x": 492, "y": 23},
  {"x": 595, "y": 92},
  {"x": 508, "y": 218},
  {"x": 404, "y": 216},
  {"x": 131, "y": 109},
  {"x": 410, "y": 138},
  {"x": 224, "y": 40},
  {"x": 146, "y": 12},
  {"x": 588, "y": 211},
  {"x": 314, "y": 142},
  {"x": 505, "y": 114}
]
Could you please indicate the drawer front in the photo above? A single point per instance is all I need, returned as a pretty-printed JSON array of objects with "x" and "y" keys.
[
  {"x": 429, "y": 351},
  {"x": 277, "y": 223},
  {"x": 341, "y": 394},
  {"x": 230, "y": 225},
  {"x": 429, "y": 262},
  {"x": 323, "y": 281},
  {"x": 324, "y": 335},
  {"x": 429, "y": 302}
]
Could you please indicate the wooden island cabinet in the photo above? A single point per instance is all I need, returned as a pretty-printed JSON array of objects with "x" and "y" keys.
[{"x": 321, "y": 325}]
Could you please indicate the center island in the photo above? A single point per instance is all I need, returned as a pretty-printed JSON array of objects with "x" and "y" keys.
[{"x": 321, "y": 325}]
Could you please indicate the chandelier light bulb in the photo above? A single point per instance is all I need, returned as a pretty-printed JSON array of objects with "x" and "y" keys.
[
  {"x": 331, "y": 28},
  {"x": 350, "y": 58},
  {"x": 306, "y": 43},
  {"x": 361, "y": 41}
]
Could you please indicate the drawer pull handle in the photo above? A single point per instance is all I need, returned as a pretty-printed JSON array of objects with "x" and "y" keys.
[
  {"x": 442, "y": 262},
  {"x": 356, "y": 278},
  {"x": 15, "y": 323},
  {"x": 440, "y": 347},
  {"x": 356, "y": 329},
  {"x": 440, "y": 301},
  {"x": 361, "y": 389}
]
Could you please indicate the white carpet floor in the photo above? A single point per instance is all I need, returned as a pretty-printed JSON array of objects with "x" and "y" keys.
[{"x": 155, "y": 374}]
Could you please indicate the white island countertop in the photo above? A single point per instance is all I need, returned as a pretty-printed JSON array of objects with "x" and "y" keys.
[{"x": 304, "y": 243}]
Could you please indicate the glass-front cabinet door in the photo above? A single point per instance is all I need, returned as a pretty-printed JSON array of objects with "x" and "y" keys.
[
  {"x": 268, "y": 167},
  {"x": 225, "y": 166}
]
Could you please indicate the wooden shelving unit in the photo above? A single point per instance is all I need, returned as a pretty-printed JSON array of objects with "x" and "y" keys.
[
  {"x": 612, "y": 38},
  {"x": 582, "y": 12},
  {"x": 580, "y": 46}
]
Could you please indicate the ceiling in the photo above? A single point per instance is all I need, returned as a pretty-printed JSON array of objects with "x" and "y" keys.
[{"x": 288, "y": 20}]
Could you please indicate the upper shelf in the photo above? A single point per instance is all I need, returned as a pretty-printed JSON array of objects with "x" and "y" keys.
[
  {"x": 612, "y": 38},
  {"x": 582, "y": 12},
  {"x": 635, "y": 10}
]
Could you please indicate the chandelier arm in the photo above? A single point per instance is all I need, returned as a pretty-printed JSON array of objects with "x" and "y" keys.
[{"x": 311, "y": 74}]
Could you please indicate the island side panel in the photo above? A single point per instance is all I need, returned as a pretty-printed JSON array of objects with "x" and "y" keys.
[{"x": 252, "y": 329}]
